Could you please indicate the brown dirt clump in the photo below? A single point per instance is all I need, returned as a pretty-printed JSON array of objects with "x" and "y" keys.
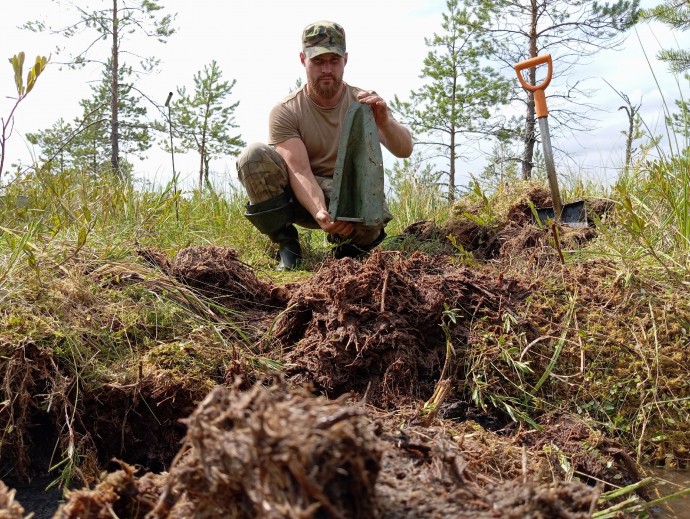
[
  {"x": 218, "y": 273},
  {"x": 154, "y": 258},
  {"x": 277, "y": 452},
  {"x": 273, "y": 452},
  {"x": 520, "y": 213},
  {"x": 540, "y": 243},
  {"x": 424, "y": 231},
  {"x": 462, "y": 470},
  {"x": 120, "y": 494},
  {"x": 513, "y": 235},
  {"x": 601, "y": 207},
  {"x": 483, "y": 241},
  {"x": 374, "y": 327},
  {"x": 424, "y": 236},
  {"x": 9, "y": 507}
]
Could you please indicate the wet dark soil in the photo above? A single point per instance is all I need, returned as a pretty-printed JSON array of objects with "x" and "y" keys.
[{"x": 33, "y": 497}]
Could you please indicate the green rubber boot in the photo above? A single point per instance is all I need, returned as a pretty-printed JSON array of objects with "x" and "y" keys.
[{"x": 274, "y": 218}]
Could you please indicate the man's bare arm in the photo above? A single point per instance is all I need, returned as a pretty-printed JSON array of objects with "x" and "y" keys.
[{"x": 306, "y": 188}]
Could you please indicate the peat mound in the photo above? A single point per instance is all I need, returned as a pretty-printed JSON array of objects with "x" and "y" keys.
[
  {"x": 273, "y": 452},
  {"x": 103, "y": 361},
  {"x": 218, "y": 273},
  {"x": 520, "y": 211},
  {"x": 280, "y": 452},
  {"x": 514, "y": 234},
  {"x": 374, "y": 327}
]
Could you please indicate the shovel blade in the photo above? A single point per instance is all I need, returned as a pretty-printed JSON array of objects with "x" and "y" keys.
[{"x": 573, "y": 214}]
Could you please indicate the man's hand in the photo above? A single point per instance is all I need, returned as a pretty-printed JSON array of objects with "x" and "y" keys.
[
  {"x": 378, "y": 106},
  {"x": 323, "y": 218}
]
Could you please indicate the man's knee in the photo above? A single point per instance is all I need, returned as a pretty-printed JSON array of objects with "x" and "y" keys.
[{"x": 262, "y": 172}]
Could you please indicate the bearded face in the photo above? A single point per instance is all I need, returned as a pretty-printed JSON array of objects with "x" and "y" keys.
[
  {"x": 327, "y": 86},
  {"x": 325, "y": 74}
]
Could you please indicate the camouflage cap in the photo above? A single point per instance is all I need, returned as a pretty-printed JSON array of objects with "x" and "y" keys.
[{"x": 323, "y": 37}]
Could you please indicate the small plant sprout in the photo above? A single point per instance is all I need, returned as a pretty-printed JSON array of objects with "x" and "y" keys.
[{"x": 22, "y": 91}]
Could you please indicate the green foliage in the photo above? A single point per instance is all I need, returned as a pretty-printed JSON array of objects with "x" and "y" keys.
[
  {"x": 55, "y": 145},
  {"x": 677, "y": 16},
  {"x": 18, "y": 65},
  {"x": 680, "y": 120},
  {"x": 202, "y": 121},
  {"x": 502, "y": 165},
  {"x": 23, "y": 90},
  {"x": 86, "y": 143},
  {"x": 461, "y": 90},
  {"x": 654, "y": 205},
  {"x": 415, "y": 193},
  {"x": 655, "y": 209},
  {"x": 113, "y": 23}
]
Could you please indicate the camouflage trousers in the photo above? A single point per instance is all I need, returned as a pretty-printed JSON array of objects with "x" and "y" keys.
[{"x": 264, "y": 175}]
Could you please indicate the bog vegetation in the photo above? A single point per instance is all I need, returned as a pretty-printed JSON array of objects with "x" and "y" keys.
[
  {"x": 123, "y": 306},
  {"x": 91, "y": 300}
]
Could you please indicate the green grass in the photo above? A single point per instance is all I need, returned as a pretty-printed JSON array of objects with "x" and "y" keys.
[{"x": 72, "y": 284}]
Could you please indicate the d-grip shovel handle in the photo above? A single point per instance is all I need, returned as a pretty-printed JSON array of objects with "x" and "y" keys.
[{"x": 537, "y": 90}]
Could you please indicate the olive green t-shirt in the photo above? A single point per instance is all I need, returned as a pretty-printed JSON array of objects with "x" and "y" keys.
[{"x": 319, "y": 128}]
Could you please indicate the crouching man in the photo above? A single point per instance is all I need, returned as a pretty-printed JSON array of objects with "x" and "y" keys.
[{"x": 290, "y": 180}]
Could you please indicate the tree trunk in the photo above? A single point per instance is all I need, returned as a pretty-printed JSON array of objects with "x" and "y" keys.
[
  {"x": 453, "y": 114},
  {"x": 202, "y": 152},
  {"x": 530, "y": 121},
  {"x": 451, "y": 170},
  {"x": 530, "y": 138},
  {"x": 207, "y": 168},
  {"x": 632, "y": 112},
  {"x": 114, "y": 121}
]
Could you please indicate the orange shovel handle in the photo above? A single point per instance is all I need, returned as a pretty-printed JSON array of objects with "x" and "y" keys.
[{"x": 538, "y": 90}]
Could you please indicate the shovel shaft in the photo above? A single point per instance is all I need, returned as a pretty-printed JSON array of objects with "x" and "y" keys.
[
  {"x": 550, "y": 167},
  {"x": 542, "y": 117}
]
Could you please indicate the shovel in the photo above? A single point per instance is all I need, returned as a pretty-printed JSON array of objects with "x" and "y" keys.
[
  {"x": 574, "y": 213},
  {"x": 358, "y": 178}
]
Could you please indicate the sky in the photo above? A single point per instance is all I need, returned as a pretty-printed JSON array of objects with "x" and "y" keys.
[{"x": 257, "y": 43}]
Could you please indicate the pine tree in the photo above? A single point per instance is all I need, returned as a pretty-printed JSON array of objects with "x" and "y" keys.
[
  {"x": 461, "y": 90},
  {"x": 203, "y": 120},
  {"x": 675, "y": 14},
  {"x": 86, "y": 144},
  {"x": 111, "y": 24}
]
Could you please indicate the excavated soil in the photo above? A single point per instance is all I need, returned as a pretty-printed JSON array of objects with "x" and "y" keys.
[
  {"x": 336, "y": 426},
  {"x": 373, "y": 327},
  {"x": 278, "y": 452}
]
